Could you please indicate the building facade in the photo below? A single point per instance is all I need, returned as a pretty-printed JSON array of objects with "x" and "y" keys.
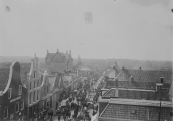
[
  {"x": 59, "y": 62},
  {"x": 12, "y": 94},
  {"x": 34, "y": 81}
]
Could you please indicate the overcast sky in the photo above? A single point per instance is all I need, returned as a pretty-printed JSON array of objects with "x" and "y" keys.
[{"x": 131, "y": 29}]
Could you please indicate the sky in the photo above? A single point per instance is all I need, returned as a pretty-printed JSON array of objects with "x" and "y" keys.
[{"x": 122, "y": 29}]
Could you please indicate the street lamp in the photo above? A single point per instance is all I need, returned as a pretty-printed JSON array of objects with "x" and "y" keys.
[{"x": 159, "y": 85}]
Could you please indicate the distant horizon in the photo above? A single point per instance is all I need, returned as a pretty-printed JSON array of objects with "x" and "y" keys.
[{"x": 91, "y": 58}]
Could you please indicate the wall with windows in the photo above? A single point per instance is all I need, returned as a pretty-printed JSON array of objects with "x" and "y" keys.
[{"x": 34, "y": 83}]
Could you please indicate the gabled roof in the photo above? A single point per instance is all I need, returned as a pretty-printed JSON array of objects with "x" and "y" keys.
[
  {"x": 149, "y": 75},
  {"x": 4, "y": 76},
  {"x": 24, "y": 70}
]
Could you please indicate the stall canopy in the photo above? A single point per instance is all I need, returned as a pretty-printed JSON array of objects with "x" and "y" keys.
[{"x": 63, "y": 102}]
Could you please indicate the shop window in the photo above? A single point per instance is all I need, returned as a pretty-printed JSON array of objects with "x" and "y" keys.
[
  {"x": 9, "y": 93},
  {"x": 22, "y": 105},
  {"x": 20, "y": 89},
  {"x": 5, "y": 112},
  {"x": 17, "y": 107}
]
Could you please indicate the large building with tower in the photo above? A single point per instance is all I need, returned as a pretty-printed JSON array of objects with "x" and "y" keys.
[{"x": 58, "y": 62}]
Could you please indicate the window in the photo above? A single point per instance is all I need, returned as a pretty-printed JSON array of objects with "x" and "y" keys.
[
  {"x": 30, "y": 85},
  {"x": 9, "y": 93},
  {"x": 34, "y": 97},
  {"x": 5, "y": 112},
  {"x": 34, "y": 74},
  {"x": 30, "y": 95},
  {"x": 20, "y": 89},
  {"x": 34, "y": 84},
  {"x": 22, "y": 105},
  {"x": 38, "y": 83},
  {"x": 17, "y": 107},
  {"x": 37, "y": 94}
]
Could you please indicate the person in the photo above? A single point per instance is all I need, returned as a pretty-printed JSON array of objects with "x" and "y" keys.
[
  {"x": 64, "y": 114},
  {"x": 51, "y": 115},
  {"x": 59, "y": 113},
  {"x": 68, "y": 113}
]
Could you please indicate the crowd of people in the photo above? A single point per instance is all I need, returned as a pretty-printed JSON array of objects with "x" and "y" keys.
[{"x": 79, "y": 104}]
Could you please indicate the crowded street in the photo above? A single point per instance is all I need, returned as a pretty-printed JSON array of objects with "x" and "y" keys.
[{"x": 82, "y": 104}]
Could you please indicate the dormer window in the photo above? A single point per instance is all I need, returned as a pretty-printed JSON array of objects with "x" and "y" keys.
[
  {"x": 9, "y": 93},
  {"x": 20, "y": 89}
]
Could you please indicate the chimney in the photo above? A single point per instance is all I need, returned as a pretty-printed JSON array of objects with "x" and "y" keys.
[
  {"x": 123, "y": 68},
  {"x": 162, "y": 80},
  {"x": 132, "y": 79},
  {"x": 116, "y": 83},
  {"x": 57, "y": 50},
  {"x": 106, "y": 80},
  {"x": 116, "y": 93},
  {"x": 140, "y": 68},
  {"x": 47, "y": 51}
]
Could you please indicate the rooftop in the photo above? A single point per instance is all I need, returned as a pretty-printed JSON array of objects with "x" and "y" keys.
[
  {"x": 4, "y": 76},
  {"x": 149, "y": 75}
]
